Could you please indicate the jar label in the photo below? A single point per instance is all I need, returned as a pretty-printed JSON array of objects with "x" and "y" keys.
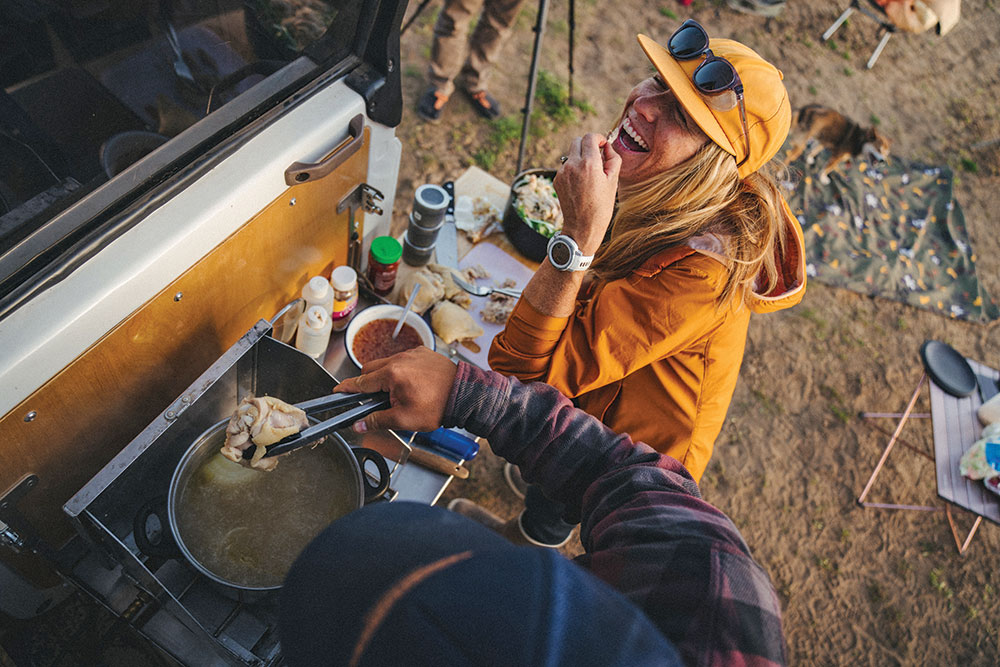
[
  {"x": 384, "y": 280},
  {"x": 342, "y": 309}
]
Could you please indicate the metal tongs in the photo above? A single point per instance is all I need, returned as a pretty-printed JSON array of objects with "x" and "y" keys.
[{"x": 368, "y": 403}]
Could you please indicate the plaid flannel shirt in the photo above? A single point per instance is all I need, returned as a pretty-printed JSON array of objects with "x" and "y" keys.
[{"x": 645, "y": 529}]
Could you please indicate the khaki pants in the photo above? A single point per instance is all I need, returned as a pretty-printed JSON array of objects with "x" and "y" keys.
[{"x": 449, "y": 49}]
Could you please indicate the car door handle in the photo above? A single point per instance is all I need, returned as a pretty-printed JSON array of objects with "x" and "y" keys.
[{"x": 304, "y": 172}]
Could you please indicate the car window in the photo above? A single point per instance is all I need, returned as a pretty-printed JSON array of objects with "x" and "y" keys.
[{"x": 89, "y": 87}]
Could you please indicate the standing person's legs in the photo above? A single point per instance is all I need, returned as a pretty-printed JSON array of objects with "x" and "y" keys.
[
  {"x": 487, "y": 39},
  {"x": 449, "y": 47}
]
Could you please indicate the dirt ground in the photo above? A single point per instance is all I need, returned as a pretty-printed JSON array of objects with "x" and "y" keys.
[{"x": 858, "y": 586}]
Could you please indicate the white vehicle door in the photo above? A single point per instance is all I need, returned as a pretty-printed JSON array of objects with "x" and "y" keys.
[{"x": 170, "y": 173}]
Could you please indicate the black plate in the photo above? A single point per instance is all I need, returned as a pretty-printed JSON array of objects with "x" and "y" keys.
[{"x": 947, "y": 368}]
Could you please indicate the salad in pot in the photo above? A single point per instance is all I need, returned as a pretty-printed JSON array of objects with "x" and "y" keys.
[{"x": 536, "y": 202}]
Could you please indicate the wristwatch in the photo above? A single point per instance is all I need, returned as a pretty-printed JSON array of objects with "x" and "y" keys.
[{"x": 564, "y": 254}]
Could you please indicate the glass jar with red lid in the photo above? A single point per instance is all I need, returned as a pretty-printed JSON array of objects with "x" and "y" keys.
[{"x": 383, "y": 262}]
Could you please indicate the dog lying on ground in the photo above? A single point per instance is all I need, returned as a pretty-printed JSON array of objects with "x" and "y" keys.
[{"x": 837, "y": 133}]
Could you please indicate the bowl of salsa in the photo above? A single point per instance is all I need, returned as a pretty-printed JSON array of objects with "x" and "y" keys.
[{"x": 369, "y": 335}]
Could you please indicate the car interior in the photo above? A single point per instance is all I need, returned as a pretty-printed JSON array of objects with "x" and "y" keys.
[{"x": 87, "y": 87}]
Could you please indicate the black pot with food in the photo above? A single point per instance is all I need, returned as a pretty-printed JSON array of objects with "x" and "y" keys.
[
  {"x": 241, "y": 527},
  {"x": 532, "y": 215}
]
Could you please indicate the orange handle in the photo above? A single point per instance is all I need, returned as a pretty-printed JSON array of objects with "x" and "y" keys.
[
  {"x": 438, "y": 463},
  {"x": 303, "y": 172}
]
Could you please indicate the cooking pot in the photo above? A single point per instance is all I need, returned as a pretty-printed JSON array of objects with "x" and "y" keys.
[
  {"x": 243, "y": 528},
  {"x": 530, "y": 242}
]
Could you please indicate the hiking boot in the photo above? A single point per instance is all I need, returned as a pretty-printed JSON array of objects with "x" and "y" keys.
[
  {"x": 484, "y": 103},
  {"x": 511, "y": 529},
  {"x": 512, "y": 474},
  {"x": 521, "y": 533},
  {"x": 431, "y": 103}
]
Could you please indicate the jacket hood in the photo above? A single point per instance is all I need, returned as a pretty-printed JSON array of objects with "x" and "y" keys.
[
  {"x": 791, "y": 264},
  {"x": 791, "y": 285}
]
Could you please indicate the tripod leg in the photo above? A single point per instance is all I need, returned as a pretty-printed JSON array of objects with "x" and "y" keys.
[
  {"x": 572, "y": 26},
  {"x": 413, "y": 18},
  {"x": 530, "y": 97}
]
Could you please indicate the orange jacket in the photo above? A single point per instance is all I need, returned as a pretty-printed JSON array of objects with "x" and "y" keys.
[{"x": 650, "y": 354}]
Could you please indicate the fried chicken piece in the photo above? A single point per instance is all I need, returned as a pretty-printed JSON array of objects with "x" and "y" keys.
[
  {"x": 261, "y": 421},
  {"x": 499, "y": 306},
  {"x": 451, "y": 323}
]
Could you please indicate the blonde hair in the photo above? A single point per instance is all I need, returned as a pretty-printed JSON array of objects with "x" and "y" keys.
[{"x": 703, "y": 194}]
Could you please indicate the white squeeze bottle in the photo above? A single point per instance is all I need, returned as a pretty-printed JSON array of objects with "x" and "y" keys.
[
  {"x": 313, "y": 335},
  {"x": 318, "y": 292}
]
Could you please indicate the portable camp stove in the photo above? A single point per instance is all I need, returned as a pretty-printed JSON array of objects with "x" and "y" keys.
[{"x": 164, "y": 598}]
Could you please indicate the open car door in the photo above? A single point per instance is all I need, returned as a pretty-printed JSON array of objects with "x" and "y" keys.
[{"x": 172, "y": 173}]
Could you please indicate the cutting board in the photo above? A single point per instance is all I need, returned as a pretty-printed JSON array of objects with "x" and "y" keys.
[
  {"x": 501, "y": 266},
  {"x": 474, "y": 182}
]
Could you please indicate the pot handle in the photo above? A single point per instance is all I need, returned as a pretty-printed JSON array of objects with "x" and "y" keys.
[
  {"x": 166, "y": 546},
  {"x": 373, "y": 491}
]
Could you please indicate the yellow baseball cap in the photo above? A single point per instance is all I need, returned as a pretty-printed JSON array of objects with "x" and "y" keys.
[{"x": 769, "y": 113}]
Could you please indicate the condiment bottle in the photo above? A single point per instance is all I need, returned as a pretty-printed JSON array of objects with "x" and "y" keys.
[
  {"x": 317, "y": 292},
  {"x": 313, "y": 334},
  {"x": 383, "y": 261},
  {"x": 345, "y": 296}
]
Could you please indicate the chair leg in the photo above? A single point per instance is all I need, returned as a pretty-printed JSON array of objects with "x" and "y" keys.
[
  {"x": 878, "y": 49},
  {"x": 894, "y": 415},
  {"x": 892, "y": 440},
  {"x": 916, "y": 450},
  {"x": 839, "y": 22},
  {"x": 962, "y": 546}
]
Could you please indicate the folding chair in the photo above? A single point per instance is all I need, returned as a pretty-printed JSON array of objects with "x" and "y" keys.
[
  {"x": 874, "y": 12},
  {"x": 955, "y": 428}
]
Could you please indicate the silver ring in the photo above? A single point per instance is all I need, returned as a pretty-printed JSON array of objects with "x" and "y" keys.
[{"x": 564, "y": 158}]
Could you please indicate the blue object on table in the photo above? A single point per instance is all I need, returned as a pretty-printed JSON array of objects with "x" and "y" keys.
[
  {"x": 446, "y": 440},
  {"x": 993, "y": 454}
]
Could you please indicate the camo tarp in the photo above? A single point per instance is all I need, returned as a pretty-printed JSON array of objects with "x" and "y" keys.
[{"x": 889, "y": 230}]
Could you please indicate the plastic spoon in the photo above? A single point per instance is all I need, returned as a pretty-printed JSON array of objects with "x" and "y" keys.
[{"x": 406, "y": 311}]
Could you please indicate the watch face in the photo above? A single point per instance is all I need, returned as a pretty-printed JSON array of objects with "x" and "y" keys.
[{"x": 560, "y": 254}]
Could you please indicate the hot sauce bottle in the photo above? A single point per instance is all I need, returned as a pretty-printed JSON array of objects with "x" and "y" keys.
[{"x": 383, "y": 261}]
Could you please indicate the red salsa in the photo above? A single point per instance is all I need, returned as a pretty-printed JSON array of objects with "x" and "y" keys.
[{"x": 374, "y": 340}]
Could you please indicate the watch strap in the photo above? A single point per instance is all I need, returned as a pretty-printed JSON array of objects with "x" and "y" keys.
[{"x": 581, "y": 262}]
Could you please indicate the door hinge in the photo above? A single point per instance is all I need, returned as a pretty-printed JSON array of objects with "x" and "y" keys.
[
  {"x": 367, "y": 199},
  {"x": 364, "y": 196},
  {"x": 15, "y": 531}
]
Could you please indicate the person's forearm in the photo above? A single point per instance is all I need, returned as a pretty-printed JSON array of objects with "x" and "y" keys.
[
  {"x": 553, "y": 292},
  {"x": 586, "y": 185},
  {"x": 557, "y": 446},
  {"x": 645, "y": 529}
]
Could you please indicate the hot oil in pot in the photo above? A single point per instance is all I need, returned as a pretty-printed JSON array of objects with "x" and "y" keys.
[
  {"x": 248, "y": 526},
  {"x": 374, "y": 340}
]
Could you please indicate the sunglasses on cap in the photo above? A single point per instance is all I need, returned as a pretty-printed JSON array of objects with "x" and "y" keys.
[{"x": 716, "y": 78}]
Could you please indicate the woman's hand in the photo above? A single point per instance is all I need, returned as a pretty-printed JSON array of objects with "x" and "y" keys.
[
  {"x": 419, "y": 383},
  {"x": 587, "y": 184}
]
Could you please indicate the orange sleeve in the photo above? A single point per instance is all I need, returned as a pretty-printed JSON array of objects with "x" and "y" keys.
[{"x": 627, "y": 325}]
